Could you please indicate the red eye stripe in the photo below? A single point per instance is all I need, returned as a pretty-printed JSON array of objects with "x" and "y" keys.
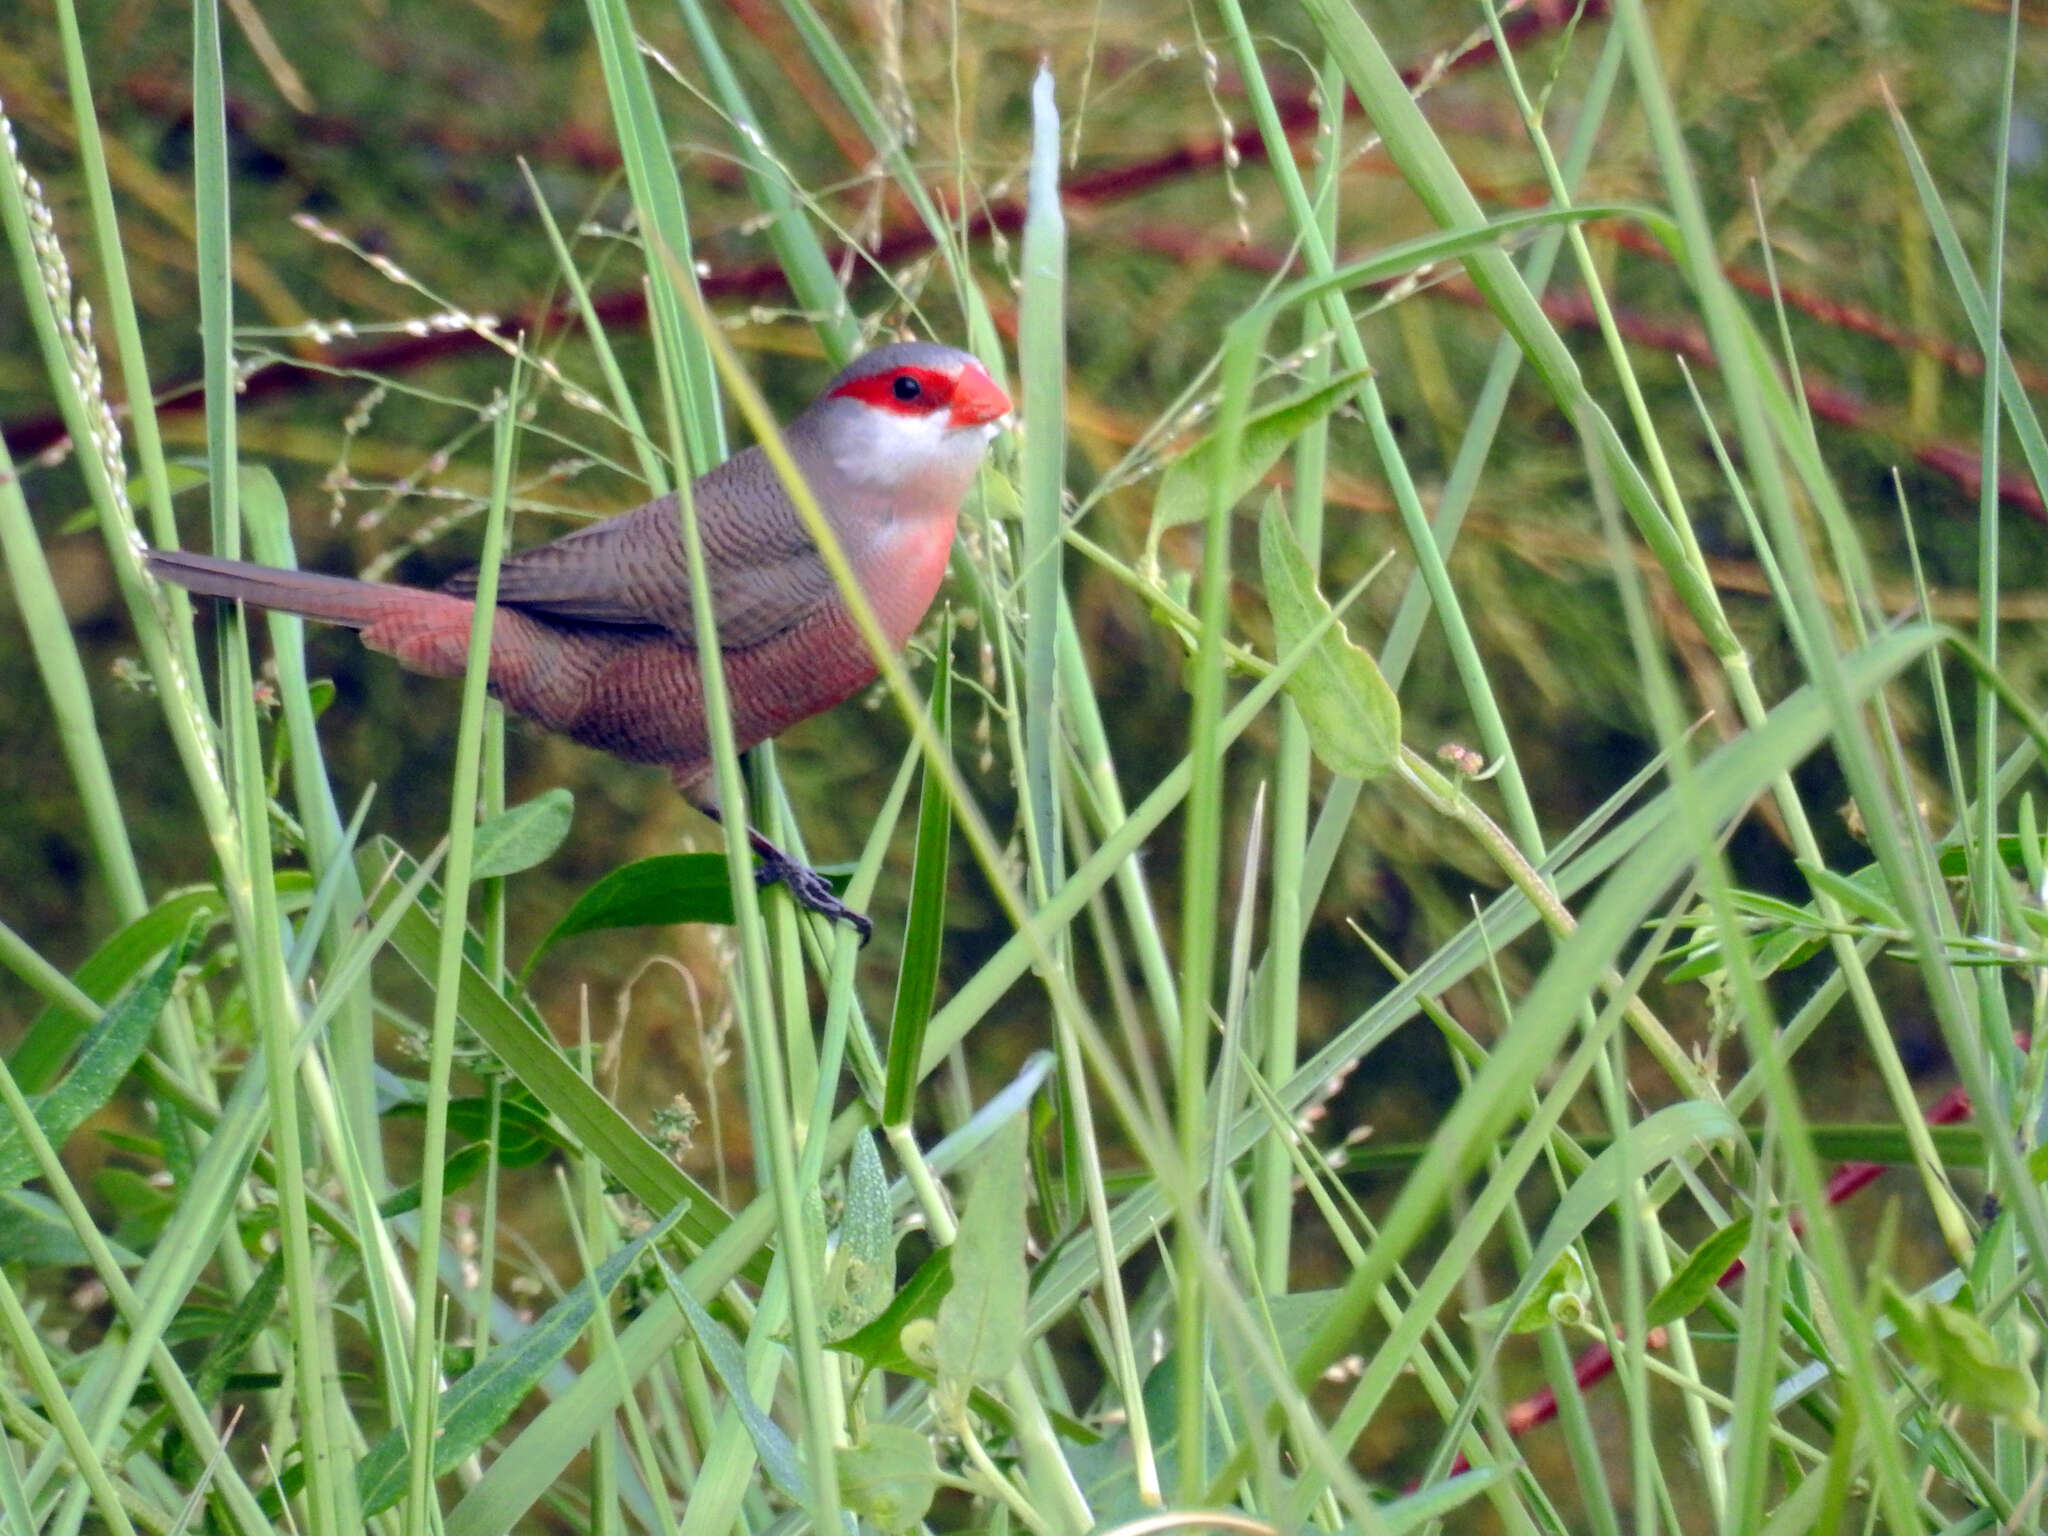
[{"x": 934, "y": 391}]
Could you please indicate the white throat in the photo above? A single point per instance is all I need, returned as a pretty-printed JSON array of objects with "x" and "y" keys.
[{"x": 912, "y": 464}]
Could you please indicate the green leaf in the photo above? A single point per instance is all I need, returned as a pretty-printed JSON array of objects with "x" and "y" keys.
[
  {"x": 1699, "y": 1275},
  {"x": 778, "y": 1456},
  {"x": 2030, "y": 846},
  {"x": 879, "y": 1346},
  {"x": 981, "y": 1321},
  {"x": 35, "y": 1230},
  {"x": 890, "y": 1476},
  {"x": 1968, "y": 1364},
  {"x": 862, "y": 1276},
  {"x": 668, "y": 888},
  {"x": 1184, "y": 489},
  {"x": 1864, "y": 893},
  {"x": 477, "y": 1405},
  {"x": 461, "y": 1166},
  {"x": 1352, "y": 716},
  {"x": 141, "y": 1207},
  {"x": 110, "y": 1051},
  {"x": 522, "y": 835},
  {"x": 113, "y": 965},
  {"x": 180, "y": 475},
  {"x": 232, "y": 1339},
  {"x": 525, "y": 1135},
  {"x": 1560, "y": 1296}
]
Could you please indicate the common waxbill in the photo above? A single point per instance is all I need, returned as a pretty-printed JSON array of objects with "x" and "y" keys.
[{"x": 595, "y": 634}]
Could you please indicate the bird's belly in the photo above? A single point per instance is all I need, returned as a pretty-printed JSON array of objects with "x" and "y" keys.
[{"x": 641, "y": 696}]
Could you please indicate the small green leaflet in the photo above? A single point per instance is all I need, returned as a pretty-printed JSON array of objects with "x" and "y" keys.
[
  {"x": 890, "y": 1476},
  {"x": 879, "y": 1345},
  {"x": 1562, "y": 1296},
  {"x": 521, "y": 836},
  {"x": 1699, "y": 1275},
  {"x": 981, "y": 1321},
  {"x": 1970, "y": 1366},
  {"x": 1652, "y": 1141},
  {"x": 1353, "y": 718},
  {"x": 1184, "y": 489}
]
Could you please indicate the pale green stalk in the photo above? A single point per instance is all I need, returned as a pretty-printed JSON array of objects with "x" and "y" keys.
[
  {"x": 1042, "y": 365},
  {"x": 71, "y": 368},
  {"x": 768, "y": 1085},
  {"x": 848, "y": 81},
  {"x": 426, "y": 1375},
  {"x": 113, "y": 265},
  {"x": 605, "y": 1350},
  {"x": 266, "y": 984},
  {"x": 1321, "y": 263},
  {"x": 350, "y": 1044},
  {"x": 797, "y": 251},
  {"x": 65, "y": 686},
  {"x": 1991, "y": 883},
  {"x": 1280, "y": 975},
  {"x": 1201, "y": 869}
]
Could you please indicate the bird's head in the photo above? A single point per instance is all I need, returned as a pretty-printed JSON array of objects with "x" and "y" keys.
[{"x": 913, "y": 416}]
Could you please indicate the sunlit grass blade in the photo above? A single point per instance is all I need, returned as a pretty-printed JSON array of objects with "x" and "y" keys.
[{"x": 924, "y": 929}]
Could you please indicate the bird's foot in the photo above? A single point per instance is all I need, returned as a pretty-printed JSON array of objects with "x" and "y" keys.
[{"x": 810, "y": 889}]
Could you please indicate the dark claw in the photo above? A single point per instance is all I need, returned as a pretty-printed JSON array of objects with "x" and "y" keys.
[{"x": 813, "y": 890}]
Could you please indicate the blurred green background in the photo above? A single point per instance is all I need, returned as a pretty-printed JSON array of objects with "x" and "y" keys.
[{"x": 399, "y": 128}]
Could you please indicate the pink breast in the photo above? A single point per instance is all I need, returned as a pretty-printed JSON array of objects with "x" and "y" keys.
[{"x": 902, "y": 579}]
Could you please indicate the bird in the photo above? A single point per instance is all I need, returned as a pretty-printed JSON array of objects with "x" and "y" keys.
[{"x": 595, "y": 635}]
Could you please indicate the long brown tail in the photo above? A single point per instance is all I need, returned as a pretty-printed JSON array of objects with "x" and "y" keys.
[
  {"x": 426, "y": 631},
  {"x": 333, "y": 599}
]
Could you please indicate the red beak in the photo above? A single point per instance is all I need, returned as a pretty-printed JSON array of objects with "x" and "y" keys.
[{"x": 977, "y": 400}]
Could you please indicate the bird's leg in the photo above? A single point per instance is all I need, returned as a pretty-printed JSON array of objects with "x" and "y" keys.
[{"x": 804, "y": 884}]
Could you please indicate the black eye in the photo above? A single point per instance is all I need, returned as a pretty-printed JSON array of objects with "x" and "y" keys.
[{"x": 906, "y": 388}]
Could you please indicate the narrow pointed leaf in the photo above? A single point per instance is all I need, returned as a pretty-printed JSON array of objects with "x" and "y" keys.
[
  {"x": 479, "y": 1403},
  {"x": 771, "y": 1444},
  {"x": 1863, "y": 893},
  {"x": 110, "y": 1051},
  {"x": 924, "y": 932},
  {"x": 1699, "y": 1275},
  {"x": 113, "y": 965}
]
